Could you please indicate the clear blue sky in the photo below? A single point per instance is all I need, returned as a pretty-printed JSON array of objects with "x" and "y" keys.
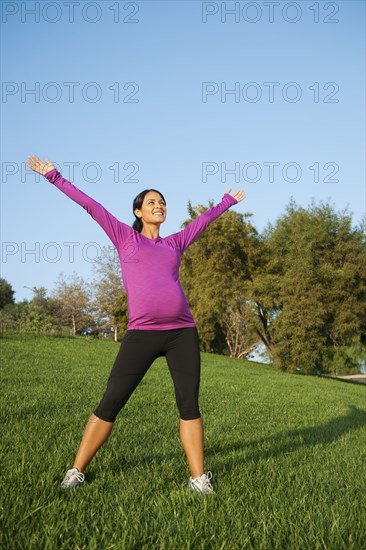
[{"x": 173, "y": 128}]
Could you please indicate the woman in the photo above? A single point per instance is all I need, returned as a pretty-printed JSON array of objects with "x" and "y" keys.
[{"x": 159, "y": 320}]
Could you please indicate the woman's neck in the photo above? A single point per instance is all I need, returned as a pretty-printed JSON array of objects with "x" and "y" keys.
[{"x": 150, "y": 232}]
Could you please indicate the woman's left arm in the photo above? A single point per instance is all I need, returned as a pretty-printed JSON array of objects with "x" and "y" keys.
[{"x": 193, "y": 230}]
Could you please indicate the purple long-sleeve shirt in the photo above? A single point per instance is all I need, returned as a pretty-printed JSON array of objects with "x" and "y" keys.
[{"x": 150, "y": 267}]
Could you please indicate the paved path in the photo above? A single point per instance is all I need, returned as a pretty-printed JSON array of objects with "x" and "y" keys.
[{"x": 357, "y": 378}]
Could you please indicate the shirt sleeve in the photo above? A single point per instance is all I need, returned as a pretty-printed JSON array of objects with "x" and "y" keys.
[
  {"x": 117, "y": 231},
  {"x": 193, "y": 230}
]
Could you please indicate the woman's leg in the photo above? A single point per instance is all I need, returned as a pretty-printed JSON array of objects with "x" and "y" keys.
[
  {"x": 95, "y": 434},
  {"x": 191, "y": 433},
  {"x": 138, "y": 350},
  {"x": 184, "y": 361}
]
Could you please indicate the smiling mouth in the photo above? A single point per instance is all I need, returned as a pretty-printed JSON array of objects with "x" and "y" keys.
[{"x": 158, "y": 214}]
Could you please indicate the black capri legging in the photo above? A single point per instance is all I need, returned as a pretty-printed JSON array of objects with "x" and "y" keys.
[{"x": 139, "y": 349}]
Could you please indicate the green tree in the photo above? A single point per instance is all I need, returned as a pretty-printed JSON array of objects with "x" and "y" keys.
[
  {"x": 312, "y": 290},
  {"x": 215, "y": 273},
  {"x": 120, "y": 315},
  {"x": 6, "y": 293},
  {"x": 72, "y": 305},
  {"x": 110, "y": 302},
  {"x": 34, "y": 316}
]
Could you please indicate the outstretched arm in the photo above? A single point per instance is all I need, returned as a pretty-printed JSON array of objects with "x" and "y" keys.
[
  {"x": 117, "y": 231},
  {"x": 193, "y": 230}
]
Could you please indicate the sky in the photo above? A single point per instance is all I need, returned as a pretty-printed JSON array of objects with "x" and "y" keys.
[{"x": 187, "y": 97}]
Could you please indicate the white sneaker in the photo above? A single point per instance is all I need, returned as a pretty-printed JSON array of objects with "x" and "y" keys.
[
  {"x": 72, "y": 478},
  {"x": 201, "y": 484}
]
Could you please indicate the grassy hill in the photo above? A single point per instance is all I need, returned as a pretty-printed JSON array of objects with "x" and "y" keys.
[{"x": 287, "y": 453}]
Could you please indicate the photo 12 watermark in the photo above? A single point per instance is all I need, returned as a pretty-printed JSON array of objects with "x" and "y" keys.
[
  {"x": 69, "y": 92},
  {"x": 72, "y": 252},
  {"x": 71, "y": 12},
  {"x": 89, "y": 172},
  {"x": 270, "y": 12},
  {"x": 269, "y": 172},
  {"x": 269, "y": 92}
]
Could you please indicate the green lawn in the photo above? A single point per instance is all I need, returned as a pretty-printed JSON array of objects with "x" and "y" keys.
[{"x": 287, "y": 453}]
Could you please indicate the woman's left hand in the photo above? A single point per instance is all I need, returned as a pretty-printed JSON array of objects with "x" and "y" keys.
[
  {"x": 38, "y": 166},
  {"x": 239, "y": 195}
]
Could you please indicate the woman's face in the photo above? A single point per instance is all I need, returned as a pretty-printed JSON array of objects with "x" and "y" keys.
[{"x": 153, "y": 209}]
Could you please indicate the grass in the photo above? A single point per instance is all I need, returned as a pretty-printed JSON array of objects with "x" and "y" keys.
[{"x": 287, "y": 454}]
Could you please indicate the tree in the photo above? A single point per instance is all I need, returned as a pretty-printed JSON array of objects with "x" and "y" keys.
[
  {"x": 120, "y": 315},
  {"x": 240, "y": 337},
  {"x": 215, "y": 273},
  {"x": 110, "y": 303},
  {"x": 73, "y": 303},
  {"x": 39, "y": 296},
  {"x": 34, "y": 316},
  {"x": 13, "y": 317},
  {"x": 6, "y": 293},
  {"x": 311, "y": 290}
]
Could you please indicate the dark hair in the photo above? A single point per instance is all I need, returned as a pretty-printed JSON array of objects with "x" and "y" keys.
[{"x": 137, "y": 203}]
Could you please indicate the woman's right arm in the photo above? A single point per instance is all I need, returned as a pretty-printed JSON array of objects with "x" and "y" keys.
[{"x": 117, "y": 231}]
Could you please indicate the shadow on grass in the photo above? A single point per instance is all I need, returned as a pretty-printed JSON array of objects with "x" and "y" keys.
[
  {"x": 287, "y": 442},
  {"x": 273, "y": 446}
]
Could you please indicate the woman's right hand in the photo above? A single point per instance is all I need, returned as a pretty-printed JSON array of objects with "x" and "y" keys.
[{"x": 38, "y": 166}]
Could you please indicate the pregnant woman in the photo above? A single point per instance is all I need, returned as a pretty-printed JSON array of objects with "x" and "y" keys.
[{"x": 159, "y": 320}]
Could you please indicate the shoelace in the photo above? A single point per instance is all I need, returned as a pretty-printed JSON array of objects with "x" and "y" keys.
[
  {"x": 206, "y": 481},
  {"x": 79, "y": 476}
]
